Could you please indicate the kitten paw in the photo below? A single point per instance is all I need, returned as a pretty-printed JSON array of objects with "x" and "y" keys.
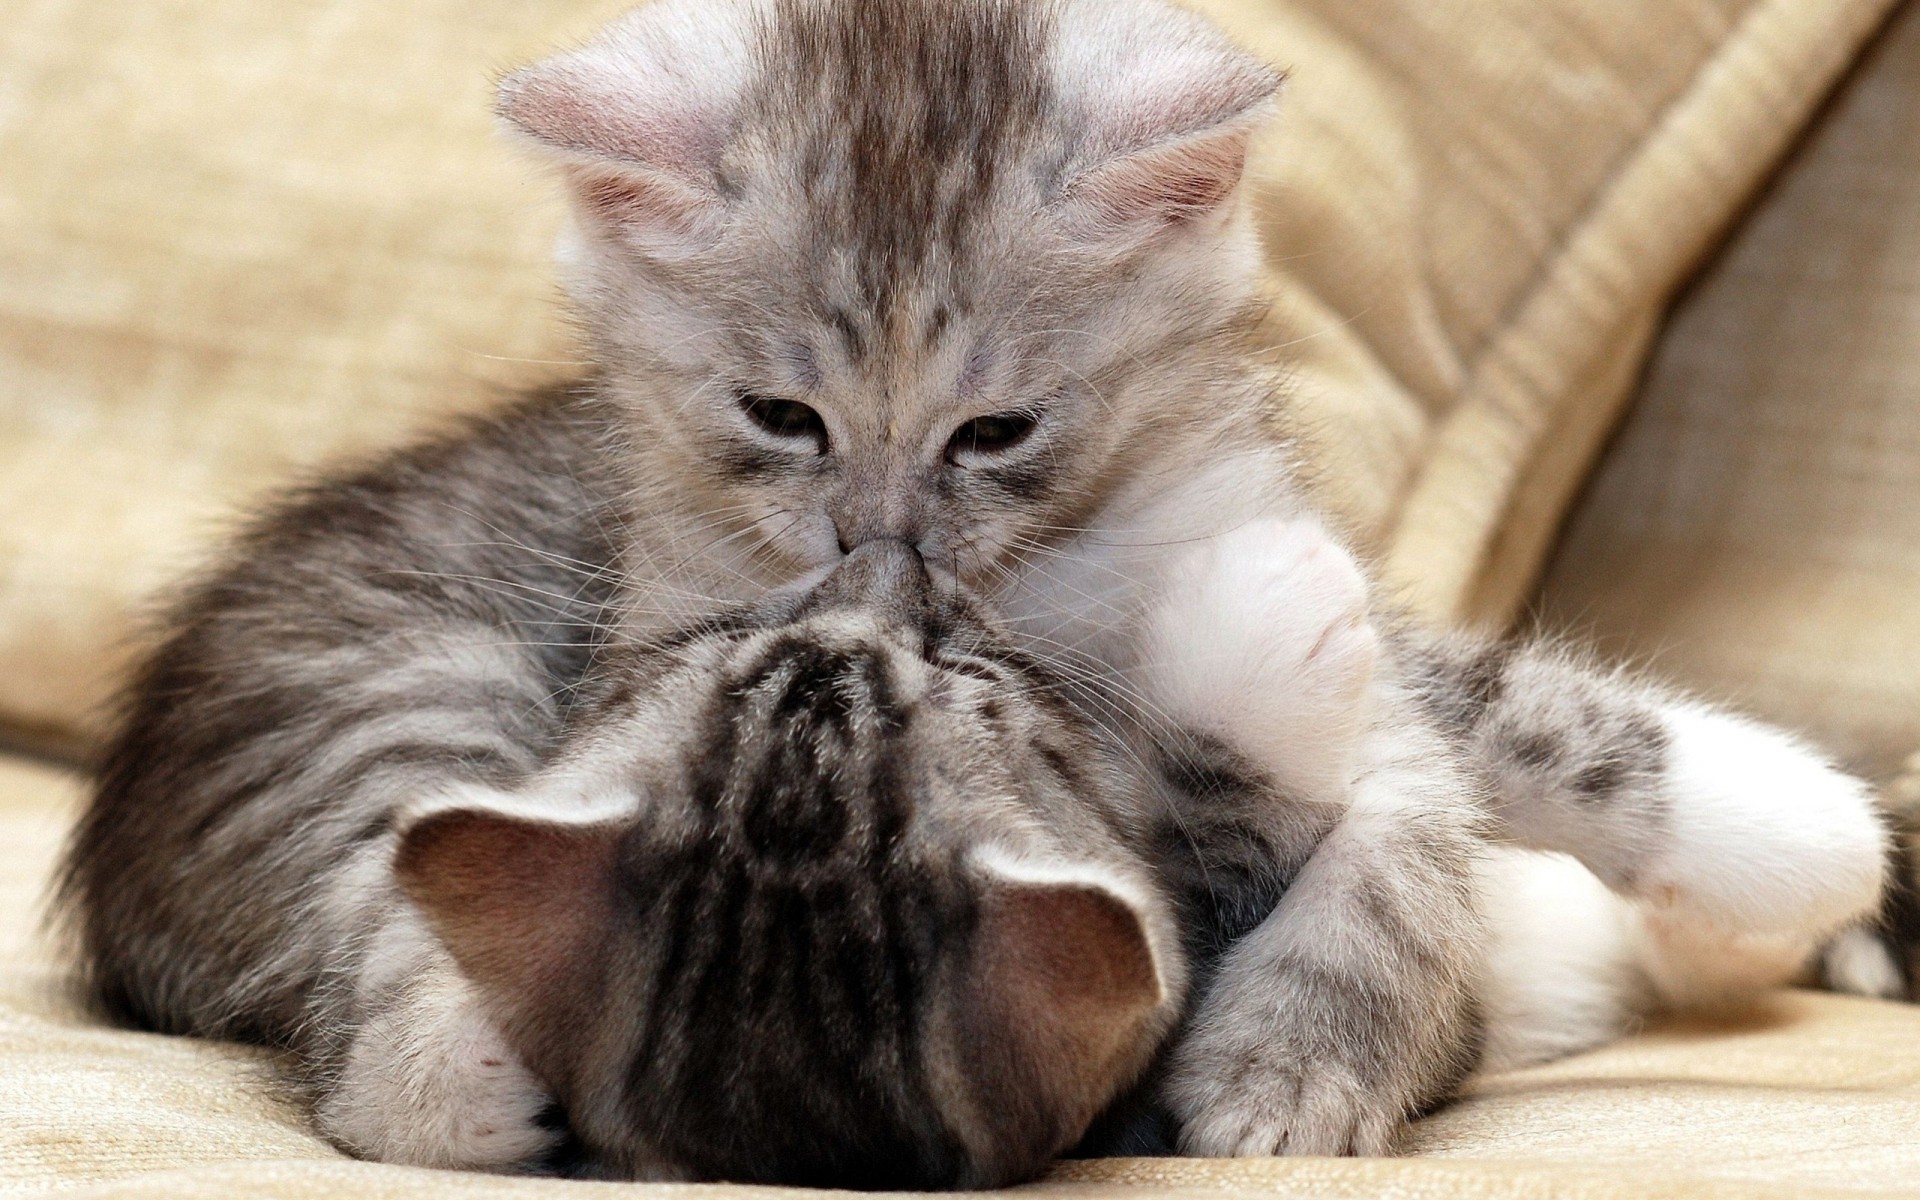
[
  {"x": 1263, "y": 637},
  {"x": 1860, "y": 963},
  {"x": 431, "y": 1082},
  {"x": 1763, "y": 835},
  {"x": 1283, "y": 1109}
]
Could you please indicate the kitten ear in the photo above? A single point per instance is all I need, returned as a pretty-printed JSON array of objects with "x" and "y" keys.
[
  {"x": 1164, "y": 185},
  {"x": 1067, "y": 969},
  {"x": 1171, "y": 105},
  {"x": 517, "y": 901},
  {"x": 639, "y": 116}
]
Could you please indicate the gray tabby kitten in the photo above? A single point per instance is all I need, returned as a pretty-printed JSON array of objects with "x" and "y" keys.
[
  {"x": 838, "y": 890},
  {"x": 969, "y": 276}
]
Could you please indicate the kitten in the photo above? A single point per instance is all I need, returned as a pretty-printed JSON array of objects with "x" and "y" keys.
[
  {"x": 977, "y": 276},
  {"x": 836, "y": 892},
  {"x": 971, "y": 276}
]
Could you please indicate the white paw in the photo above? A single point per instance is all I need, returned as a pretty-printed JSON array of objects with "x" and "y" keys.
[
  {"x": 431, "y": 1082},
  {"x": 1269, "y": 1108},
  {"x": 1691, "y": 963},
  {"x": 1763, "y": 836},
  {"x": 1859, "y": 963},
  {"x": 1262, "y": 638}
]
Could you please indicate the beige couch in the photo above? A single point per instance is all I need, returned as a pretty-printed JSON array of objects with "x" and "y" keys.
[{"x": 237, "y": 239}]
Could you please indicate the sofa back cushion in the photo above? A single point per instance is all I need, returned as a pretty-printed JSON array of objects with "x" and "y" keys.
[{"x": 1755, "y": 529}]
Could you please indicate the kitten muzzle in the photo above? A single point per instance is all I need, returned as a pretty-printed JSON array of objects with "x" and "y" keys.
[{"x": 887, "y": 576}]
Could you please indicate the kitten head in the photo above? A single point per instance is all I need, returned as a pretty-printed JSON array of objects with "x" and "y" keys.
[
  {"x": 931, "y": 270},
  {"x": 860, "y": 909}
]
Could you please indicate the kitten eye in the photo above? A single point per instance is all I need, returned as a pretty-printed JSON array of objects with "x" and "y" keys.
[
  {"x": 992, "y": 434},
  {"x": 785, "y": 418}
]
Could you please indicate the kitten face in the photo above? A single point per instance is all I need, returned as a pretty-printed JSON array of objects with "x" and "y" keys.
[
  {"x": 872, "y": 917},
  {"x": 905, "y": 270}
]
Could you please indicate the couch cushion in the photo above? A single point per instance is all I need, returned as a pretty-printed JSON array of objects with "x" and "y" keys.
[
  {"x": 1475, "y": 214},
  {"x": 240, "y": 239},
  {"x": 1756, "y": 529},
  {"x": 1798, "y": 1095}
]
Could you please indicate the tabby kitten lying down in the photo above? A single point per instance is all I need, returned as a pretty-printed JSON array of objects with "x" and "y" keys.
[
  {"x": 970, "y": 276},
  {"x": 839, "y": 890}
]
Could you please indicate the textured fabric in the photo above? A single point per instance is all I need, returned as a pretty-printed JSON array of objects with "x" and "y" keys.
[
  {"x": 1481, "y": 209},
  {"x": 1756, "y": 529},
  {"x": 237, "y": 239},
  {"x": 1801, "y": 1094}
]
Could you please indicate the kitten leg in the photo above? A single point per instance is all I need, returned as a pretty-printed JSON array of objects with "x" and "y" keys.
[
  {"x": 1349, "y": 1006},
  {"x": 1859, "y": 961},
  {"x": 1260, "y": 638},
  {"x": 1668, "y": 800},
  {"x": 1572, "y": 964},
  {"x": 1561, "y": 973},
  {"x": 428, "y": 1080}
]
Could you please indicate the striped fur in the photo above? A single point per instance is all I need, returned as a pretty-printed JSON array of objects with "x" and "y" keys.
[{"x": 380, "y": 637}]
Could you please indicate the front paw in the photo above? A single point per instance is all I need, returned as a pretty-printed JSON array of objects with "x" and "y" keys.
[
  {"x": 431, "y": 1082},
  {"x": 1244, "y": 1102},
  {"x": 1262, "y": 637}
]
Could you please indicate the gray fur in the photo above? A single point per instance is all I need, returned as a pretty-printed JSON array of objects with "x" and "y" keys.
[
  {"x": 1572, "y": 757},
  {"x": 1351, "y": 1007},
  {"x": 385, "y": 634}
]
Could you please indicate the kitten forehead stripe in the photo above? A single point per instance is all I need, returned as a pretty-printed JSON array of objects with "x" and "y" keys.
[{"x": 912, "y": 109}]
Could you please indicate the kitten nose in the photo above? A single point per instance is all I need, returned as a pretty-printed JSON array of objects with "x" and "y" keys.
[
  {"x": 887, "y": 574},
  {"x": 875, "y": 515}
]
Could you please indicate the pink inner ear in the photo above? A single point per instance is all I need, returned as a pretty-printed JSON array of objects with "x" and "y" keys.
[
  {"x": 1061, "y": 1008},
  {"x": 517, "y": 902},
  {"x": 1070, "y": 966},
  {"x": 1073, "y": 948},
  {"x": 634, "y": 199},
  {"x": 1165, "y": 185},
  {"x": 640, "y": 139}
]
